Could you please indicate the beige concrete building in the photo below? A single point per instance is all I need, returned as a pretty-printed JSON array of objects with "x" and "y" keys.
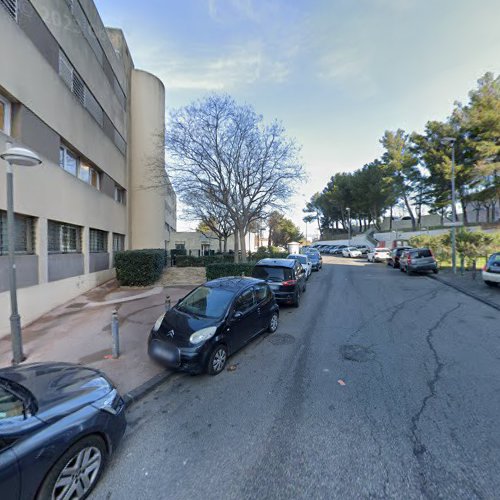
[{"x": 69, "y": 91}]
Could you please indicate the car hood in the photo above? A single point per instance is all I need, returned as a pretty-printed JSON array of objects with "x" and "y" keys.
[
  {"x": 59, "y": 388},
  {"x": 178, "y": 326}
]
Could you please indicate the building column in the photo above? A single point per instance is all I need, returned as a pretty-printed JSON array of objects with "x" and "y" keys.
[
  {"x": 86, "y": 249},
  {"x": 42, "y": 249},
  {"x": 110, "y": 250}
]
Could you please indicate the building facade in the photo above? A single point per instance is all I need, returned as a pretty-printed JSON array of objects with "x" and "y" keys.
[{"x": 69, "y": 91}]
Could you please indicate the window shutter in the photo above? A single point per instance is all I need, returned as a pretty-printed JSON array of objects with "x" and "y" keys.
[{"x": 11, "y": 7}]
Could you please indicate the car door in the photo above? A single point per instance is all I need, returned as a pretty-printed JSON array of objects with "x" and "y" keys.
[
  {"x": 245, "y": 320},
  {"x": 264, "y": 301},
  {"x": 301, "y": 276}
]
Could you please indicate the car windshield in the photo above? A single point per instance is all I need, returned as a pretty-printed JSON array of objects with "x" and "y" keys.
[
  {"x": 301, "y": 258},
  {"x": 207, "y": 302},
  {"x": 272, "y": 273}
]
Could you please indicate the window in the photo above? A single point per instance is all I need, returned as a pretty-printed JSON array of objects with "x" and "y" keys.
[
  {"x": 118, "y": 242},
  {"x": 68, "y": 160},
  {"x": 5, "y": 108},
  {"x": 180, "y": 245},
  {"x": 89, "y": 174},
  {"x": 11, "y": 7},
  {"x": 24, "y": 234},
  {"x": 64, "y": 238},
  {"x": 244, "y": 302},
  {"x": 98, "y": 241},
  {"x": 206, "y": 302},
  {"x": 10, "y": 405},
  {"x": 120, "y": 195},
  {"x": 261, "y": 293}
]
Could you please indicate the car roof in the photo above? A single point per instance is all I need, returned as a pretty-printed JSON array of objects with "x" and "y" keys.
[
  {"x": 276, "y": 262},
  {"x": 233, "y": 283}
]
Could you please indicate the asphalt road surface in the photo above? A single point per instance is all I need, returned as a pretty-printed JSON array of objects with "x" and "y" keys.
[{"x": 418, "y": 416}]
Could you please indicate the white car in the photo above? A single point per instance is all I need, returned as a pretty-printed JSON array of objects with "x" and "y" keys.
[
  {"x": 305, "y": 261},
  {"x": 379, "y": 255},
  {"x": 491, "y": 271},
  {"x": 351, "y": 252}
]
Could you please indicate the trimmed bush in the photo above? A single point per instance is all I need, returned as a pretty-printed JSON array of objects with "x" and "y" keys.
[
  {"x": 268, "y": 255},
  {"x": 223, "y": 270},
  {"x": 139, "y": 267},
  {"x": 192, "y": 261}
]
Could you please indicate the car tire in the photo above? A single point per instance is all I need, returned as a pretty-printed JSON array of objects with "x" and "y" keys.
[
  {"x": 401, "y": 268},
  {"x": 435, "y": 271},
  {"x": 217, "y": 360},
  {"x": 491, "y": 283},
  {"x": 91, "y": 449},
  {"x": 296, "y": 302},
  {"x": 273, "y": 323}
]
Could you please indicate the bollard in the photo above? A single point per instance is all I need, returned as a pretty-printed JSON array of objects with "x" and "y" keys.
[
  {"x": 115, "y": 334},
  {"x": 474, "y": 269},
  {"x": 167, "y": 303}
]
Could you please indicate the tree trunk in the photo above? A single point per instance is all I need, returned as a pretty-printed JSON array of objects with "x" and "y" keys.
[
  {"x": 225, "y": 244},
  {"x": 220, "y": 244},
  {"x": 410, "y": 211},
  {"x": 464, "y": 210},
  {"x": 243, "y": 246},
  {"x": 236, "y": 245}
]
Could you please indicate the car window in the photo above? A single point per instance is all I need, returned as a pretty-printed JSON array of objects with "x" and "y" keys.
[
  {"x": 245, "y": 301},
  {"x": 10, "y": 405},
  {"x": 271, "y": 273},
  {"x": 207, "y": 302},
  {"x": 261, "y": 293},
  {"x": 420, "y": 254},
  {"x": 494, "y": 258}
]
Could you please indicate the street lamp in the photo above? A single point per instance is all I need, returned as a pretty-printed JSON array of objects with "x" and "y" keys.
[
  {"x": 349, "y": 221},
  {"x": 452, "y": 140},
  {"x": 24, "y": 158}
]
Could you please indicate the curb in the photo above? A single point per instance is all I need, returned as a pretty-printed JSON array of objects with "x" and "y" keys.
[
  {"x": 466, "y": 292},
  {"x": 144, "y": 389}
]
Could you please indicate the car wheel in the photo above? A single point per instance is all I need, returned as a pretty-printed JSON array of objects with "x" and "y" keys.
[
  {"x": 491, "y": 283},
  {"x": 76, "y": 473},
  {"x": 435, "y": 271},
  {"x": 296, "y": 302},
  {"x": 401, "y": 268},
  {"x": 273, "y": 324},
  {"x": 217, "y": 360}
]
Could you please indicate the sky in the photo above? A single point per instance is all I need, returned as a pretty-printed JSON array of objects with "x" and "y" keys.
[{"x": 336, "y": 73}]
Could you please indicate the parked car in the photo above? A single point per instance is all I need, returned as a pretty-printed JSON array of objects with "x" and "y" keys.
[
  {"x": 379, "y": 255},
  {"x": 59, "y": 423},
  {"x": 396, "y": 255},
  {"x": 305, "y": 261},
  {"x": 418, "y": 260},
  {"x": 316, "y": 259},
  {"x": 287, "y": 279},
  {"x": 491, "y": 271},
  {"x": 211, "y": 323},
  {"x": 351, "y": 252},
  {"x": 363, "y": 249},
  {"x": 337, "y": 250}
]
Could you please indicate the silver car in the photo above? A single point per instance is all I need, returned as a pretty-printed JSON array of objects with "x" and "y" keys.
[{"x": 418, "y": 260}]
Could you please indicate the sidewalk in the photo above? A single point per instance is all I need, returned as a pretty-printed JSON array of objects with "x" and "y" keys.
[
  {"x": 80, "y": 332},
  {"x": 474, "y": 287}
]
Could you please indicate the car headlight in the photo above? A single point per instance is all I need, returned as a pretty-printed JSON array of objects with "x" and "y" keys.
[
  {"x": 111, "y": 403},
  {"x": 202, "y": 335},
  {"x": 158, "y": 323}
]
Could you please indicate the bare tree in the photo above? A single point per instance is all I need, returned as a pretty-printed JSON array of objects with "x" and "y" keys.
[{"x": 223, "y": 152}]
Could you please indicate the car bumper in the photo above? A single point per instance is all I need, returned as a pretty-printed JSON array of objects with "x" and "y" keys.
[
  {"x": 285, "y": 297},
  {"x": 493, "y": 277},
  {"x": 424, "y": 268},
  {"x": 316, "y": 267},
  {"x": 380, "y": 259}
]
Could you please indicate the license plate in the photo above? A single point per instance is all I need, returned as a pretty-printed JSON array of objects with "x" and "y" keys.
[
  {"x": 275, "y": 287},
  {"x": 164, "y": 353}
]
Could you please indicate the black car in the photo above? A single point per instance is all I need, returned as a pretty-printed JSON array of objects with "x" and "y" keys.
[
  {"x": 287, "y": 278},
  {"x": 315, "y": 258},
  {"x": 338, "y": 249},
  {"x": 396, "y": 255},
  {"x": 58, "y": 425},
  {"x": 212, "y": 322}
]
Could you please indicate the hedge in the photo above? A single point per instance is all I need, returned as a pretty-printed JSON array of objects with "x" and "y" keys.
[
  {"x": 269, "y": 255},
  {"x": 192, "y": 261},
  {"x": 139, "y": 267},
  {"x": 222, "y": 270}
]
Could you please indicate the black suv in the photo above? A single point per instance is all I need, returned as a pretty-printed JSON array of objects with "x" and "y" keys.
[{"x": 286, "y": 277}]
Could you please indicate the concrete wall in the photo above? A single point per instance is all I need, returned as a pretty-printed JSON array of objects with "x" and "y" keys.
[
  {"x": 147, "y": 129},
  {"x": 26, "y": 271}
]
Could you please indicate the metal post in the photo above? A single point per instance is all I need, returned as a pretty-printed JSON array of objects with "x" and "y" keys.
[
  {"x": 167, "y": 303},
  {"x": 454, "y": 213},
  {"x": 15, "y": 319},
  {"x": 349, "y": 223},
  {"x": 115, "y": 334}
]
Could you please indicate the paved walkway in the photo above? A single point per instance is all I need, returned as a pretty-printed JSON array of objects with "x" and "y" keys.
[
  {"x": 80, "y": 332},
  {"x": 470, "y": 285}
]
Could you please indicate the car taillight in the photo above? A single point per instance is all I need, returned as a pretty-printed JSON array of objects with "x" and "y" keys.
[
  {"x": 409, "y": 259},
  {"x": 430, "y": 251},
  {"x": 289, "y": 283},
  {"x": 485, "y": 268}
]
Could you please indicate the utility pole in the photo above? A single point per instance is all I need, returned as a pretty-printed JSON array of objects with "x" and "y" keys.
[
  {"x": 349, "y": 223},
  {"x": 452, "y": 140}
]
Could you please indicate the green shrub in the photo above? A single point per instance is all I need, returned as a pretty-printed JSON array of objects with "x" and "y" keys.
[
  {"x": 139, "y": 267},
  {"x": 268, "y": 255},
  {"x": 192, "y": 261},
  {"x": 225, "y": 269}
]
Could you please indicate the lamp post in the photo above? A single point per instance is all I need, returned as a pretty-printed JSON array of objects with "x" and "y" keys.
[
  {"x": 452, "y": 140},
  {"x": 349, "y": 222},
  {"x": 25, "y": 158}
]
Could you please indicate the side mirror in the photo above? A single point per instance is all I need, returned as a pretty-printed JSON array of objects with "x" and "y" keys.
[{"x": 237, "y": 315}]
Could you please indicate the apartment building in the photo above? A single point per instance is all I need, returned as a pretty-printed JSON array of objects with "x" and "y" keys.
[{"x": 69, "y": 91}]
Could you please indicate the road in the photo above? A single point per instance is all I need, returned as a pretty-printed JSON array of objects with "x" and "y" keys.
[{"x": 418, "y": 416}]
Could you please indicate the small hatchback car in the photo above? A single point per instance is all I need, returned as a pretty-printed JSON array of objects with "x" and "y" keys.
[
  {"x": 417, "y": 260},
  {"x": 287, "y": 278},
  {"x": 491, "y": 271},
  {"x": 212, "y": 322},
  {"x": 58, "y": 425}
]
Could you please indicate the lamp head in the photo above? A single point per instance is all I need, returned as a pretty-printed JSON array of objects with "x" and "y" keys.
[{"x": 21, "y": 156}]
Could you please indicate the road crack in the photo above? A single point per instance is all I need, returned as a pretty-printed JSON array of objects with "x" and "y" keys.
[{"x": 419, "y": 448}]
